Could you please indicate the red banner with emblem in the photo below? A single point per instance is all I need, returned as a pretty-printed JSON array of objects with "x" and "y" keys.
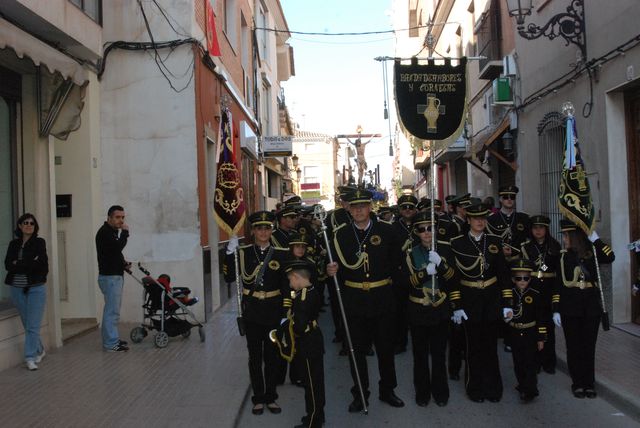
[
  {"x": 212, "y": 37},
  {"x": 228, "y": 203}
]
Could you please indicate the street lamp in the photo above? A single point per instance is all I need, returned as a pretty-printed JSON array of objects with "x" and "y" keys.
[
  {"x": 507, "y": 143},
  {"x": 295, "y": 159},
  {"x": 569, "y": 25},
  {"x": 298, "y": 173}
]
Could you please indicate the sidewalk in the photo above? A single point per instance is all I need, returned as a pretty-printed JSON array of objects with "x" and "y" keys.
[
  {"x": 188, "y": 383},
  {"x": 617, "y": 368}
]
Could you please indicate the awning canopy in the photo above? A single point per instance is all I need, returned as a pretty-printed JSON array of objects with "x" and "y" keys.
[
  {"x": 488, "y": 136},
  {"x": 40, "y": 53}
]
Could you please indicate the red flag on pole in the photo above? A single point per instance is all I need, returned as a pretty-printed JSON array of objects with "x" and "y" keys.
[
  {"x": 212, "y": 37},
  {"x": 228, "y": 205}
]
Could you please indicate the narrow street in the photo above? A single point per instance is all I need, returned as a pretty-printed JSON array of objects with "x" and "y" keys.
[{"x": 207, "y": 384}]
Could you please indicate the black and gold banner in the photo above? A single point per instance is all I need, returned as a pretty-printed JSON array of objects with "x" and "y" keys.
[
  {"x": 574, "y": 192},
  {"x": 228, "y": 204},
  {"x": 431, "y": 99}
]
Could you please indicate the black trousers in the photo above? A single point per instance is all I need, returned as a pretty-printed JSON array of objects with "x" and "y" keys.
[
  {"x": 547, "y": 357},
  {"x": 457, "y": 347},
  {"x": 338, "y": 330},
  {"x": 580, "y": 335},
  {"x": 430, "y": 342},
  {"x": 264, "y": 363},
  {"x": 524, "y": 348},
  {"x": 378, "y": 329},
  {"x": 482, "y": 376},
  {"x": 312, "y": 371}
]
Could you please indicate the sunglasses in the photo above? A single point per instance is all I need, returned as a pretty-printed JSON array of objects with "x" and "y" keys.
[
  {"x": 522, "y": 278},
  {"x": 423, "y": 229},
  {"x": 28, "y": 223},
  {"x": 263, "y": 227},
  {"x": 407, "y": 207},
  {"x": 511, "y": 197}
]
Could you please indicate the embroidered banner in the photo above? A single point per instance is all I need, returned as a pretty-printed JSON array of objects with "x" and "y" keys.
[
  {"x": 574, "y": 193},
  {"x": 228, "y": 205},
  {"x": 431, "y": 99}
]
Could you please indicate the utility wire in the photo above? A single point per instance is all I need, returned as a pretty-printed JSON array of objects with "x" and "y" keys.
[{"x": 357, "y": 33}]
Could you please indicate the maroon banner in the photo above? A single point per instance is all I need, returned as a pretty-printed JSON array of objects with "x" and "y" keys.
[{"x": 228, "y": 205}]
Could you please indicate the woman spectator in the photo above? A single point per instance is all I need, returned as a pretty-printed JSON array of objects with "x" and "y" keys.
[{"x": 27, "y": 268}]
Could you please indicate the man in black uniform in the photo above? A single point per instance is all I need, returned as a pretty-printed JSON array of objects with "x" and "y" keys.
[
  {"x": 287, "y": 222},
  {"x": 451, "y": 209},
  {"x": 403, "y": 229},
  {"x": 263, "y": 286},
  {"x": 368, "y": 254},
  {"x": 510, "y": 225},
  {"x": 482, "y": 297}
]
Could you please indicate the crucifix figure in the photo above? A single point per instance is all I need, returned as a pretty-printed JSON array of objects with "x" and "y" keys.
[{"x": 360, "y": 149}]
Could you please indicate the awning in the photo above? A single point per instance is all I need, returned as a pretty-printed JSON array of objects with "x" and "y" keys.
[
  {"x": 488, "y": 136},
  {"x": 40, "y": 53}
]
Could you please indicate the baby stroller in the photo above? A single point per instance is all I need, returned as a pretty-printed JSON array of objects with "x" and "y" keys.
[{"x": 165, "y": 309}]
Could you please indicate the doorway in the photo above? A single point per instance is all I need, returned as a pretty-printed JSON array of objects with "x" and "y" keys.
[{"x": 632, "y": 101}]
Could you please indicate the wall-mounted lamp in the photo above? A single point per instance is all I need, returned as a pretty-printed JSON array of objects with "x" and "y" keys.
[
  {"x": 569, "y": 25},
  {"x": 299, "y": 173},
  {"x": 295, "y": 160},
  {"x": 507, "y": 143}
]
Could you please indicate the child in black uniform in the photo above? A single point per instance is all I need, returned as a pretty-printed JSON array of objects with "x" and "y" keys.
[
  {"x": 527, "y": 329},
  {"x": 306, "y": 304}
]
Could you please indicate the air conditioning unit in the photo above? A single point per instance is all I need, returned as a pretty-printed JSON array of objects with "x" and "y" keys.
[
  {"x": 508, "y": 65},
  {"x": 502, "y": 91}
]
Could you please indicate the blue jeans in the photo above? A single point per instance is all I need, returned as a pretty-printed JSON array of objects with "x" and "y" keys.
[
  {"x": 31, "y": 308},
  {"x": 111, "y": 287}
]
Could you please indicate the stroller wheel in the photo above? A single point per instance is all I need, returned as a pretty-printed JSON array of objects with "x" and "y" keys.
[
  {"x": 201, "y": 333},
  {"x": 161, "y": 339},
  {"x": 137, "y": 334},
  {"x": 186, "y": 333}
]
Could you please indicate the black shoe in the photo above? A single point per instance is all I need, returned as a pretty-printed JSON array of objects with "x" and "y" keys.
[
  {"x": 477, "y": 399},
  {"x": 526, "y": 398},
  {"x": 422, "y": 402},
  {"x": 579, "y": 393},
  {"x": 550, "y": 370},
  {"x": 122, "y": 342},
  {"x": 391, "y": 399},
  {"x": 118, "y": 348},
  {"x": 297, "y": 383},
  {"x": 454, "y": 376},
  {"x": 590, "y": 393},
  {"x": 399, "y": 349},
  {"x": 495, "y": 400},
  {"x": 258, "y": 409},
  {"x": 507, "y": 348},
  {"x": 336, "y": 339},
  {"x": 441, "y": 403},
  {"x": 370, "y": 352},
  {"x": 274, "y": 408},
  {"x": 356, "y": 406}
]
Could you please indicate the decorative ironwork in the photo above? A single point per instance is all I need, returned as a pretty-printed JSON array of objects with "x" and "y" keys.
[{"x": 569, "y": 25}]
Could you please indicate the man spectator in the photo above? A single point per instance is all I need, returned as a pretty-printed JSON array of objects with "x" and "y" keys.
[{"x": 111, "y": 239}]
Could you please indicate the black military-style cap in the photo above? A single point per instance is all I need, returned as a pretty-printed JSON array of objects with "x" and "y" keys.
[
  {"x": 449, "y": 198},
  {"x": 567, "y": 225},
  {"x": 424, "y": 203},
  {"x": 384, "y": 210},
  {"x": 405, "y": 201},
  {"x": 262, "y": 218},
  {"x": 462, "y": 200},
  {"x": 539, "y": 220},
  {"x": 294, "y": 200},
  {"x": 344, "y": 190},
  {"x": 523, "y": 265},
  {"x": 299, "y": 238},
  {"x": 299, "y": 264},
  {"x": 359, "y": 196},
  {"x": 477, "y": 209},
  {"x": 508, "y": 190},
  {"x": 288, "y": 211},
  {"x": 423, "y": 218}
]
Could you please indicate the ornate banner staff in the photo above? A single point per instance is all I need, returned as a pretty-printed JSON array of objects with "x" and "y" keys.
[
  {"x": 239, "y": 319},
  {"x": 320, "y": 214}
]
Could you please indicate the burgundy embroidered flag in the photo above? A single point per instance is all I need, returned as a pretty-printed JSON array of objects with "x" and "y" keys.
[{"x": 228, "y": 204}]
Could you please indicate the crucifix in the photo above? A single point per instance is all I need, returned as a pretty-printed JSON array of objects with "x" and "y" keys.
[
  {"x": 579, "y": 175},
  {"x": 360, "y": 150}
]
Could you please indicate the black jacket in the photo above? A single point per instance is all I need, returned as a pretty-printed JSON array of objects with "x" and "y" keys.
[
  {"x": 109, "y": 248},
  {"x": 34, "y": 263}
]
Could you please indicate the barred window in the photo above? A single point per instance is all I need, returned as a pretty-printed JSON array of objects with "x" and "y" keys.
[{"x": 551, "y": 134}]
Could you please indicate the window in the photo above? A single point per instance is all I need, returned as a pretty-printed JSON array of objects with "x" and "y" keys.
[
  {"x": 273, "y": 184},
  {"x": 311, "y": 174},
  {"x": 263, "y": 42},
  {"x": 265, "y": 116},
  {"x": 229, "y": 26},
  {"x": 93, "y": 8},
  {"x": 245, "y": 52},
  {"x": 551, "y": 132}
]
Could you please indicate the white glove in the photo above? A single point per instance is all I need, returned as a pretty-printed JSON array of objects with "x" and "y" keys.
[
  {"x": 635, "y": 289},
  {"x": 594, "y": 236},
  {"x": 507, "y": 314},
  {"x": 232, "y": 245},
  {"x": 431, "y": 269},
  {"x": 458, "y": 315},
  {"x": 556, "y": 319},
  {"x": 283, "y": 320},
  {"x": 435, "y": 258}
]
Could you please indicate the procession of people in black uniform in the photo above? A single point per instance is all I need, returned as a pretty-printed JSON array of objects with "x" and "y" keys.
[{"x": 453, "y": 281}]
